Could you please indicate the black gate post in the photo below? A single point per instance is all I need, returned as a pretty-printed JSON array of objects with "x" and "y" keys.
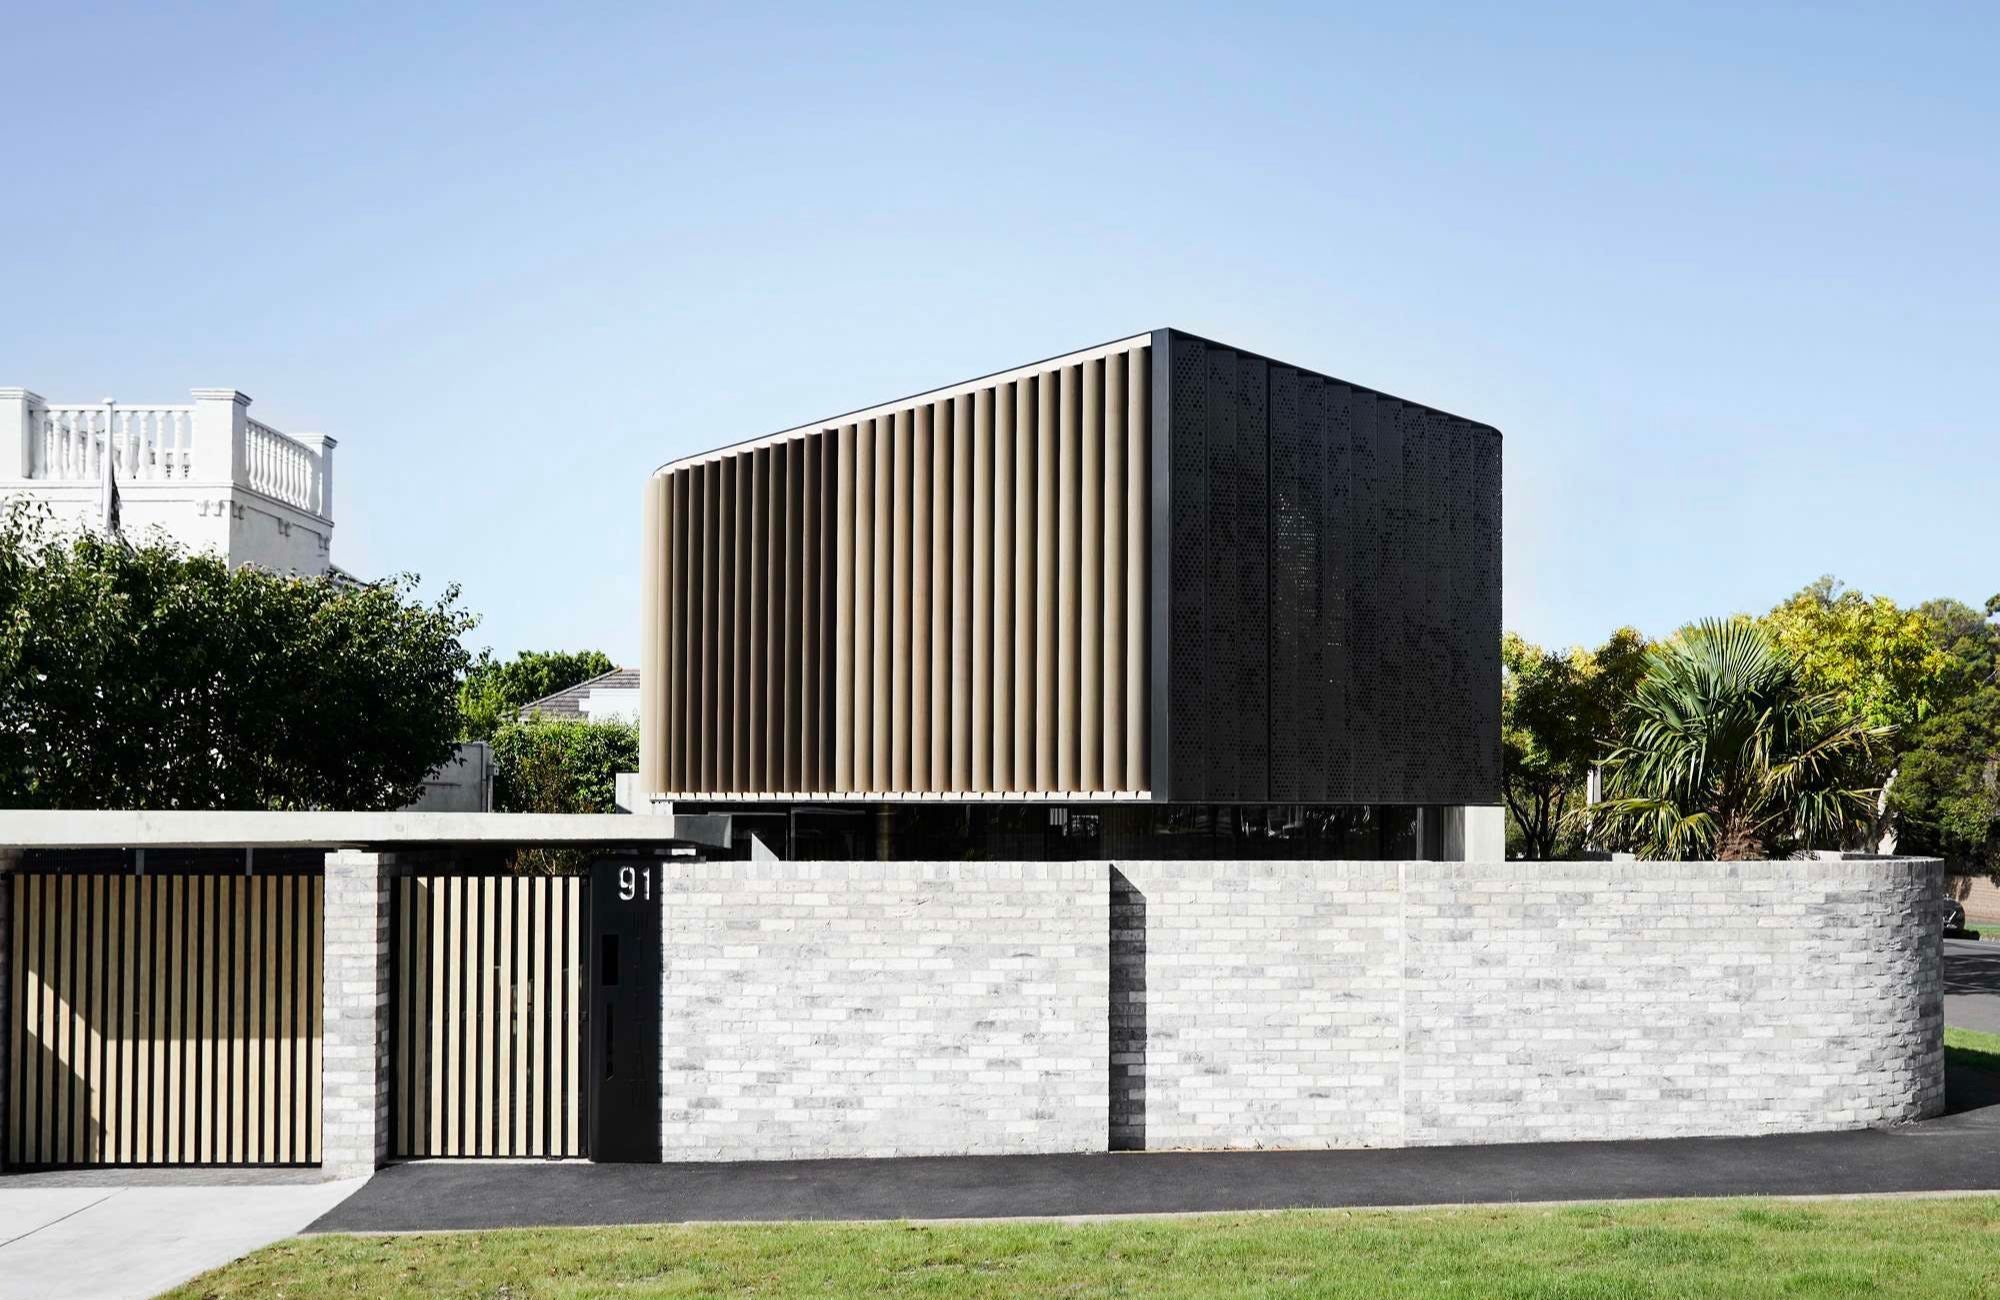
[{"x": 622, "y": 1089}]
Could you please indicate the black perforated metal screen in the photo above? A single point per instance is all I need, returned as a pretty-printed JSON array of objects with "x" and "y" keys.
[{"x": 1328, "y": 626}]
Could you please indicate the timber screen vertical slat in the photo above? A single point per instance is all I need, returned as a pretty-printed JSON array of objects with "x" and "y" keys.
[
  {"x": 128, "y": 1029},
  {"x": 485, "y": 1016}
]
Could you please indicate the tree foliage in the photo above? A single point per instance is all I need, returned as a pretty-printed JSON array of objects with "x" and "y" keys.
[
  {"x": 147, "y": 677},
  {"x": 1890, "y": 666},
  {"x": 495, "y": 691},
  {"x": 1559, "y": 713},
  {"x": 1731, "y": 754},
  {"x": 561, "y": 765},
  {"x": 1947, "y": 792}
]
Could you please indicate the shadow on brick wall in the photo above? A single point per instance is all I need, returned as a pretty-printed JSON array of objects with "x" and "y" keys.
[{"x": 1128, "y": 1015}]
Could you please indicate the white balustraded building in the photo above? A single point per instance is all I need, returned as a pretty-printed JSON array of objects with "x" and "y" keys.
[{"x": 203, "y": 472}]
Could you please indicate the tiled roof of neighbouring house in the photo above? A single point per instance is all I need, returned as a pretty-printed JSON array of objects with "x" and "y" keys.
[{"x": 568, "y": 702}]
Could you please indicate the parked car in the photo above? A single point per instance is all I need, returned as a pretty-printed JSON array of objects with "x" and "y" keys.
[{"x": 1954, "y": 916}]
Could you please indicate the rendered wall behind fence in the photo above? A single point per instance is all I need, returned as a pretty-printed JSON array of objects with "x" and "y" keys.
[{"x": 879, "y": 1009}]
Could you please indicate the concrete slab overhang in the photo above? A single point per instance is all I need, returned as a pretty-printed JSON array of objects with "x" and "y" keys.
[{"x": 65, "y": 829}]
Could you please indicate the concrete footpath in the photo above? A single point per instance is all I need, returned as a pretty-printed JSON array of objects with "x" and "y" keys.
[
  {"x": 116, "y": 1234},
  {"x": 1956, "y": 1153}
]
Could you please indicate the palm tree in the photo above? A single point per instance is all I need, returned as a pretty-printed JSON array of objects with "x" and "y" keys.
[{"x": 1729, "y": 755}]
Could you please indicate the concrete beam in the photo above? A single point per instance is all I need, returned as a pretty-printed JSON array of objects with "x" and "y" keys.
[{"x": 332, "y": 830}]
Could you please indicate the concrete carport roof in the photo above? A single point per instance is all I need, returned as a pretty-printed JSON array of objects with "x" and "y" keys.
[{"x": 64, "y": 829}]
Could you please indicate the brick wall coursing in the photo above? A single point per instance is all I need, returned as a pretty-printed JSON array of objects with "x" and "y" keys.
[
  {"x": 862, "y": 1009},
  {"x": 1377, "y": 1004},
  {"x": 1270, "y": 1004},
  {"x": 1550, "y": 1001},
  {"x": 354, "y": 998},
  {"x": 876, "y": 1009}
]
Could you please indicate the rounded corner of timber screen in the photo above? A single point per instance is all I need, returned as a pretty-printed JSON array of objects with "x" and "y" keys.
[
  {"x": 942, "y": 596},
  {"x": 167, "y": 1019}
]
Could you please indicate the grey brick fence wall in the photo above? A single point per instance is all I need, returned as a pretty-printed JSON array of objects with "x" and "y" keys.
[
  {"x": 1547, "y": 1001},
  {"x": 354, "y": 1051},
  {"x": 875, "y": 1009},
  {"x": 888, "y": 1009}
]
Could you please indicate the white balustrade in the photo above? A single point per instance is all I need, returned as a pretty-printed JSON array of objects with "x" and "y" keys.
[
  {"x": 279, "y": 467},
  {"x": 146, "y": 443},
  {"x": 154, "y": 443}
]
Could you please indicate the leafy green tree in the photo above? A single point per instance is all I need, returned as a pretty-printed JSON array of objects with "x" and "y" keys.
[
  {"x": 1729, "y": 752},
  {"x": 1559, "y": 711},
  {"x": 495, "y": 691},
  {"x": 560, "y": 765},
  {"x": 1947, "y": 796},
  {"x": 1891, "y": 667},
  {"x": 146, "y": 677}
]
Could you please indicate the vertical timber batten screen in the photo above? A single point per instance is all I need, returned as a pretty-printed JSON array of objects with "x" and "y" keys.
[
  {"x": 904, "y": 570},
  {"x": 165, "y": 1020},
  {"x": 486, "y": 1016}
]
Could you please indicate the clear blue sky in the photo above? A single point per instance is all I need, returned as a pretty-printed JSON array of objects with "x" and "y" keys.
[{"x": 1726, "y": 277}]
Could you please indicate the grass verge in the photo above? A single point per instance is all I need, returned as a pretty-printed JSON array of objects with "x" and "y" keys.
[
  {"x": 1969, "y": 1047},
  {"x": 1888, "y": 1247}
]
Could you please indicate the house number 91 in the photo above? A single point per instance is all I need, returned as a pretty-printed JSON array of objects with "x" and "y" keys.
[{"x": 631, "y": 881}]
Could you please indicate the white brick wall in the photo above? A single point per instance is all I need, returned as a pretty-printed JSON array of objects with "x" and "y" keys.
[
  {"x": 1378, "y": 1004},
  {"x": 1271, "y": 1012},
  {"x": 354, "y": 1051},
  {"x": 1597, "y": 1000},
  {"x": 876, "y": 1009},
  {"x": 863, "y": 1009}
]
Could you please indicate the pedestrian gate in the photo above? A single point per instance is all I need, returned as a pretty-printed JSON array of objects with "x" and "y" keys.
[
  {"x": 486, "y": 1016},
  {"x": 164, "y": 1019}
]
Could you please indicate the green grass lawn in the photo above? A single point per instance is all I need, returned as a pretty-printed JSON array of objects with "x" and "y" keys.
[
  {"x": 1889, "y": 1247},
  {"x": 1969, "y": 1047}
]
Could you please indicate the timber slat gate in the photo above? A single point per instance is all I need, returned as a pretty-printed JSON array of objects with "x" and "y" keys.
[
  {"x": 486, "y": 1017},
  {"x": 164, "y": 1019}
]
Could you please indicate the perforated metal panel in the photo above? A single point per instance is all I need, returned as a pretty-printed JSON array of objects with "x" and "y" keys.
[{"x": 1333, "y": 619}]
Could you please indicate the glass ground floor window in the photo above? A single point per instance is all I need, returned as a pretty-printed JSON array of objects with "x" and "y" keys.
[{"x": 1054, "y": 832}]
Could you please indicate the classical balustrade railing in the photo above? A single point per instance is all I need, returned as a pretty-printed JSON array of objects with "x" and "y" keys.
[
  {"x": 144, "y": 442},
  {"x": 279, "y": 467},
  {"x": 209, "y": 441}
]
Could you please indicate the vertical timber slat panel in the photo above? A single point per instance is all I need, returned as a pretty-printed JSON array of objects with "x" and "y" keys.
[
  {"x": 1002, "y": 594},
  {"x": 940, "y": 542},
  {"x": 961, "y": 591},
  {"x": 1090, "y": 584},
  {"x": 900, "y": 596},
  {"x": 127, "y": 1019},
  {"x": 865, "y": 651},
  {"x": 843, "y": 612},
  {"x": 880, "y": 642},
  {"x": 1111, "y": 674},
  {"x": 952, "y": 596},
  {"x": 1045, "y": 584},
  {"x": 921, "y": 545},
  {"x": 980, "y": 777}
]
